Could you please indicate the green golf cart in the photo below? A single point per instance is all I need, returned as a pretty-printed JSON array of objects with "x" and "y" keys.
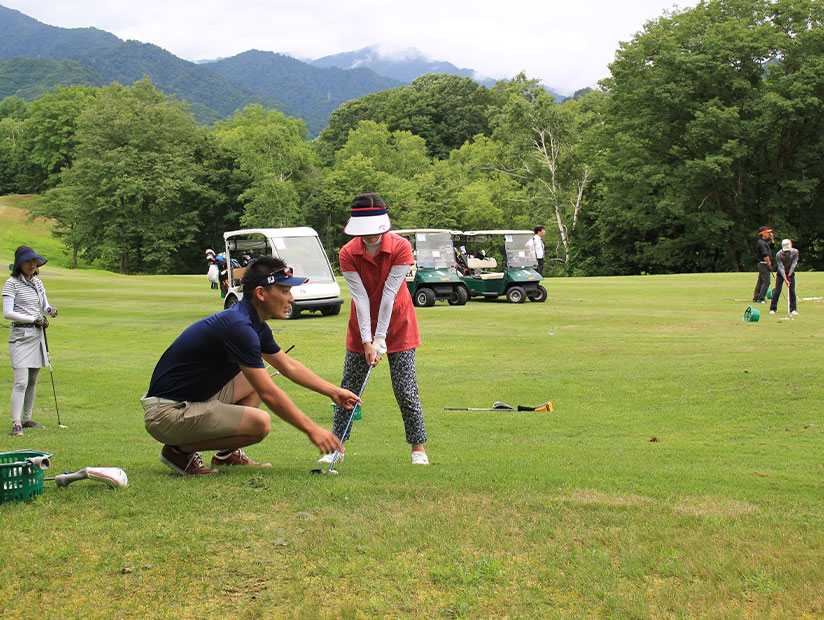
[
  {"x": 433, "y": 276},
  {"x": 479, "y": 270}
]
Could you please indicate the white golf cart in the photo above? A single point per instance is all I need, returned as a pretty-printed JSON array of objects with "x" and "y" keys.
[{"x": 301, "y": 249}]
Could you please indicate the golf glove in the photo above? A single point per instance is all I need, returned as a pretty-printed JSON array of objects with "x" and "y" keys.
[
  {"x": 380, "y": 345},
  {"x": 41, "y": 321},
  {"x": 52, "y": 311}
]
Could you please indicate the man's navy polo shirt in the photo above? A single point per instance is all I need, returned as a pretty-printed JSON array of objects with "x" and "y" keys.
[{"x": 209, "y": 353}]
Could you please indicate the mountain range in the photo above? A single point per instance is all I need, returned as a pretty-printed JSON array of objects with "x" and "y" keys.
[{"x": 36, "y": 57}]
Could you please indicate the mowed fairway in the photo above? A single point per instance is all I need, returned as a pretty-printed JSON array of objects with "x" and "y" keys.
[{"x": 680, "y": 476}]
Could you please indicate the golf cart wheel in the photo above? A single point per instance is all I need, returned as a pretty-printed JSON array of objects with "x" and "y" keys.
[
  {"x": 515, "y": 295},
  {"x": 230, "y": 301},
  {"x": 539, "y": 295},
  {"x": 330, "y": 310},
  {"x": 424, "y": 297},
  {"x": 292, "y": 312},
  {"x": 459, "y": 296}
]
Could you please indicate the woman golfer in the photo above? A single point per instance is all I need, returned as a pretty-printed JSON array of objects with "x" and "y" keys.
[
  {"x": 24, "y": 304},
  {"x": 382, "y": 318}
]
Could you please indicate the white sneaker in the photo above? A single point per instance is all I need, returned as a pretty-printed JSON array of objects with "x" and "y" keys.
[
  {"x": 772, "y": 311},
  {"x": 794, "y": 312},
  {"x": 419, "y": 458},
  {"x": 327, "y": 458}
]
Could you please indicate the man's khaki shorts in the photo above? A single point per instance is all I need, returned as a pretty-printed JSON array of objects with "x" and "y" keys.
[{"x": 179, "y": 423}]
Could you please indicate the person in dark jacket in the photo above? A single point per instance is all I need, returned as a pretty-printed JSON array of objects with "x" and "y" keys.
[{"x": 764, "y": 251}]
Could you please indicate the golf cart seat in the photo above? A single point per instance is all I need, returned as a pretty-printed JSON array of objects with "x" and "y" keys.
[
  {"x": 237, "y": 275},
  {"x": 481, "y": 263},
  {"x": 476, "y": 264}
]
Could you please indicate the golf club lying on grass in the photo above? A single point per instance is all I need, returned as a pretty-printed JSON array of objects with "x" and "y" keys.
[
  {"x": 51, "y": 374},
  {"x": 113, "y": 476},
  {"x": 499, "y": 406},
  {"x": 320, "y": 470}
]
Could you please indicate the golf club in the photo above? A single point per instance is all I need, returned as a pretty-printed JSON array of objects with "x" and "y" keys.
[
  {"x": 499, "y": 406},
  {"x": 788, "y": 301},
  {"x": 496, "y": 406},
  {"x": 113, "y": 476},
  {"x": 320, "y": 470},
  {"x": 51, "y": 374},
  {"x": 277, "y": 372}
]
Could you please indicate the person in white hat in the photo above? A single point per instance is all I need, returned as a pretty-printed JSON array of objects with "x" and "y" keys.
[
  {"x": 786, "y": 260},
  {"x": 382, "y": 317},
  {"x": 25, "y": 305}
]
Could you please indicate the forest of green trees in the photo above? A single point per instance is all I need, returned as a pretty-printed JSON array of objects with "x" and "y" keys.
[{"x": 709, "y": 126}]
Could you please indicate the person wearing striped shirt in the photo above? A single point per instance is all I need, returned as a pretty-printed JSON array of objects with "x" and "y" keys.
[{"x": 25, "y": 304}]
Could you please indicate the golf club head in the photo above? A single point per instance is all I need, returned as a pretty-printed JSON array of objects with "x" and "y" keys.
[
  {"x": 321, "y": 470},
  {"x": 62, "y": 426},
  {"x": 113, "y": 476}
]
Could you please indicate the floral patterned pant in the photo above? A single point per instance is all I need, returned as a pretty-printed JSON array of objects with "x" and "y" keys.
[{"x": 404, "y": 384}]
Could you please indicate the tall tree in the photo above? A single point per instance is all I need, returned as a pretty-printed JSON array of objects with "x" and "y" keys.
[
  {"x": 127, "y": 198},
  {"x": 47, "y": 139},
  {"x": 273, "y": 151},
  {"x": 542, "y": 147},
  {"x": 707, "y": 112},
  {"x": 13, "y": 111}
]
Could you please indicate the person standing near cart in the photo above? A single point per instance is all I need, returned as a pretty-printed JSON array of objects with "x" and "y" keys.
[
  {"x": 537, "y": 244},
  {"x": 25, "y": 305},
  {"x": 382, "y": 319},
  {"x": 786, "y": 260},
  {"x": 766, "y": 240}
]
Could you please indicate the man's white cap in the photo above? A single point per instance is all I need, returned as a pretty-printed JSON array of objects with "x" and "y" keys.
[{"x": 786, "y": 244}]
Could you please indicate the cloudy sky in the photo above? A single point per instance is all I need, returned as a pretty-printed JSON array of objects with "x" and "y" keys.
[{"x": 567, "y": 44}]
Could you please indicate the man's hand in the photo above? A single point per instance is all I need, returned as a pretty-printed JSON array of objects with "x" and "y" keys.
[
  {"x": 41, "y": 321},
  {"x": 345, "y": 399},
  {"x": 325, "y": 440},
  {"x": 52, "y": 311}
]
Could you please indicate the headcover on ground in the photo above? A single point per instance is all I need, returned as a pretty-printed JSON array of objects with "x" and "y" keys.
[
  {"x": 281, "y": 276},
  {"x": 368, "y": 217}
]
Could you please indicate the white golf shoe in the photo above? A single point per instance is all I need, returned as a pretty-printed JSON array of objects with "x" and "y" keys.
[
  {"x": 327, "y": 458},
  {"x": 419, "y": 458}
]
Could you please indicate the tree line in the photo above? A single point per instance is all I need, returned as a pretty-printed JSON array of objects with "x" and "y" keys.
[{"x": 708, "y": 127}]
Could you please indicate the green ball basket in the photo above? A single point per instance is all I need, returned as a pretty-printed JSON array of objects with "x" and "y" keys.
[{"x": 751, "y": 315}]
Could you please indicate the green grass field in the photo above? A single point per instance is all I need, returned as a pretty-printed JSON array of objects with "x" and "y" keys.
[{"x": 680, "y": 475}]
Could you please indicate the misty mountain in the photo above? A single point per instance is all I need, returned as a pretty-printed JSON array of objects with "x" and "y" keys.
[
  {"x": 39, "y": 57},
  {"x": 130, "y": 61},
  {"x": 316, "y": 91},
  {"x": 412, "y": 65}
]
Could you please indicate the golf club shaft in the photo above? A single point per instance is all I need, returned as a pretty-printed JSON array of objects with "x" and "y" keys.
[
  {"x": 51, "y": 374},
  {"x": 477, "y": 409},
  {"x": 351, "y": 417}
]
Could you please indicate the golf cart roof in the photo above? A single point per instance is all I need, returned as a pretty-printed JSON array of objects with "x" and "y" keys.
[
  {"x": 412, "y": 231},
  {"x": 471, "y": 233},
  {"x": 301, "y": 231}
]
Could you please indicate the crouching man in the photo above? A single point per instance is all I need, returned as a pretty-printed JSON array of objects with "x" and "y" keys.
[{"x": 206, "y": 390}]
